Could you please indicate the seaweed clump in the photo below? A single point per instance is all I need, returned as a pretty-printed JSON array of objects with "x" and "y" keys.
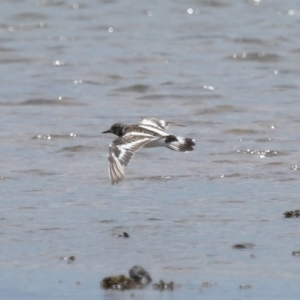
[
  {"x": 120, "y": 282},
  {"x": 292, "y": 214},
  {"x": 161, "y": 286},
  {"x": 138, "y": 279}
]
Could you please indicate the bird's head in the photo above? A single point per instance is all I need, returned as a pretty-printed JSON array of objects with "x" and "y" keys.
[{"x": 117, "y": 129}]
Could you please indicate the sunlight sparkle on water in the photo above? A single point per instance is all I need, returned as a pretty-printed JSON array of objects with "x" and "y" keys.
[
  {"x": 257, "y": 2},
  {"x": 191, "y": 11},
  {"x": 209, "y": 87},
  {"x": 58, "y": 63},
  {"x": 45, "y": 137}
]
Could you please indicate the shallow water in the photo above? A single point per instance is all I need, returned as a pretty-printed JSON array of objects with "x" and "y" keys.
[{"x": 228, "y": 71}]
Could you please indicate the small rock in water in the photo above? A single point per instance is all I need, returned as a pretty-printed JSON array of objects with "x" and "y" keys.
[
  {"x": 140, "y": 276},
  {"x": 296, "y": 253},
  {"x": 125, "y": 235},
  {"x": 243, "y": 246},
  {"x": 69, "y": 259}
]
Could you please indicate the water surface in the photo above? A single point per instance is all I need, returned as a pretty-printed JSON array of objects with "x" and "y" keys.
[{"x": 226, "y": 70}]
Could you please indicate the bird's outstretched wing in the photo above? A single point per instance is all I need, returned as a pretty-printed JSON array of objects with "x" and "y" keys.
[
  {"x": 159, "y": 124},
  {"x": 121, "y": 151}
]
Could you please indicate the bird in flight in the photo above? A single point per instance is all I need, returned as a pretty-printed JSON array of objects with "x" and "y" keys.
[{"x": 149, "y": 133}]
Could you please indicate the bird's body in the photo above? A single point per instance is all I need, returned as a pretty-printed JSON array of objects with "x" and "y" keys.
[{"x": 150, "y": 132}]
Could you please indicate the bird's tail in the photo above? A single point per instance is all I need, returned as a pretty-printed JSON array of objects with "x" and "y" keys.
[{"x": 180, "y": 144}]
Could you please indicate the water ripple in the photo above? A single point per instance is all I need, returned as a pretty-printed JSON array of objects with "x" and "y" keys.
[
  {"x": 256, "y": 56},
  {"x": 51, "y": 136},
  {"x": 261, "y": 153}
]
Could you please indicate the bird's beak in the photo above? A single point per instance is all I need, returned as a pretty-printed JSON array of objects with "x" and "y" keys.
[{"x": 107, "y": 131}]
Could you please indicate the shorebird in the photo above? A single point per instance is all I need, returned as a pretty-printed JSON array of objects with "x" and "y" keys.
[{"x": 149, "y": 133}]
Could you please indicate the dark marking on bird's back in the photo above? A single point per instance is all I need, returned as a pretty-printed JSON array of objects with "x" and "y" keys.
[{"x": 171, "y": 138}]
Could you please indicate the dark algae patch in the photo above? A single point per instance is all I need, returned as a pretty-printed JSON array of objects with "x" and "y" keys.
[{"x": 120, "y": 282}]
